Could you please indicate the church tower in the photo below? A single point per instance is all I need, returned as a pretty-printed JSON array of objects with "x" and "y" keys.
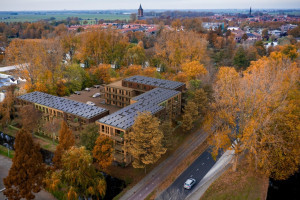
[
  {"x": 250, "y": 11},
  {"x": 140, "y": 12}
]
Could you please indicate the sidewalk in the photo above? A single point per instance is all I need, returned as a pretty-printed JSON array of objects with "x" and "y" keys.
[
  {"x": 5, "y": 164},
  {"x": 216, "y": 171}
]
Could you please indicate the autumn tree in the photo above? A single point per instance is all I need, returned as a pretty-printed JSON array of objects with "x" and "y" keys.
[
  {"x": 39, "y": 62},
  {"x": 66, "y": 141},
  {"x": 193, "y": 69},
  {"x": 77, "y": 176},
  {"x": 200, "y": 98},
  {"x": 144, "y": 142},
  {"x": 256, "y": 115},
  {"x": 89, "y": 136},
  {"x": 175, "y": 48},
  {"x": 76, "y": 78},
  {"x": 103, "y": 151},
  {"x": 26, "y": 173},
  {"x": 189, "y": 116},
  {"x": 167, "y": 130},
  {"x": 133, "y": 70},
  {"x": 240, "y": 59},
  {"x": 7, "y": 109},
  {"x": 135, "y": 54},
  {"x": 29, "y": 123},
  {"x": 52, "y": 127},
  {"x": 102, "y": 73}
]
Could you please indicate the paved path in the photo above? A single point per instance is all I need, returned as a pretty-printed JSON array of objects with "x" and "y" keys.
[
  {"x": 162, "y": 171},
  {"x": 5, "y": 164},
  {"x": 197, "y": 170}
]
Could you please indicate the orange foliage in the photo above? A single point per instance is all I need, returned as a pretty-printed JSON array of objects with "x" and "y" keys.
[{"x": 133, "y": 70}]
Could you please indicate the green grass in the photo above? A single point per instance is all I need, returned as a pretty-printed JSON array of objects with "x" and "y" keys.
[
  {"x": 240, "y": 185},
  {"x": 30, "y": 17},
  {"x": 4, "y": 152}
]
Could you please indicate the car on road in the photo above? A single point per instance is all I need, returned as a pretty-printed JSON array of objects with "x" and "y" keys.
[
  {"x": 77, "y": 92},
  {"x": 189, "y": 183},
  {"x": 90, "y": 103},
  {"x": 96, "y": 95}
]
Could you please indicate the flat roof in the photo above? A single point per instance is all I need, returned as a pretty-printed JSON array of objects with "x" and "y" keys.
[
  {"x": 148, "y": 101},
  {"x": 125, "y": 117},
  {"x": 66, "y": 105},
  {"x": 118, "y": 84},
  {"x": 156, "y": 96},
  {"x": 167, "y": 84}
]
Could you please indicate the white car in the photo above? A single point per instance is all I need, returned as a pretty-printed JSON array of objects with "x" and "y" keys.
[
  {"x": 87, "y": 89},
  {"x": 90, "y": 103},
  {"x": 96, "y": 95},
  {"x": 189, "y": 183}
]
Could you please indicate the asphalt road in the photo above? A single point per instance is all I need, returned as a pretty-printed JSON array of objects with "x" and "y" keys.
[
  {"x": 197, "y": 170},
  {"x": 162, "y": 171}
]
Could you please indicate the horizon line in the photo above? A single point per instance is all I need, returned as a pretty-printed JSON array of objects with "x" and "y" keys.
[{"x": 187, "y": 9}]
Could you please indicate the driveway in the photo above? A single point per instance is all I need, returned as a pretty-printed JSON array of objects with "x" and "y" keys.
[{"x": 5, "y": 164}]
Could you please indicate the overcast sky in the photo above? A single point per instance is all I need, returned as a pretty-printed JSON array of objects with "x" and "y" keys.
[{"x": 18, "y": 5}]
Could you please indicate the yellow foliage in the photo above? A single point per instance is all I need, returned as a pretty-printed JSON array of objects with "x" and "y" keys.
[{"x": 193, "y": 69}]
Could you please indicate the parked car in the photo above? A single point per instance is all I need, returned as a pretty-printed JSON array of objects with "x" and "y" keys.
[
  {"x": 96, "y": 95},
  {"x": 189, "y": 183},
  {"x": 87, "y": 89},
  {"x": 96, "y": 86},
  {"x": 90, "y": 103},
  {"x": 77, "y": 92}
]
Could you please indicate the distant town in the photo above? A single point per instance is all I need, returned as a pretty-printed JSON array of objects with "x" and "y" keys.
[{"x": 150, "y": 104}]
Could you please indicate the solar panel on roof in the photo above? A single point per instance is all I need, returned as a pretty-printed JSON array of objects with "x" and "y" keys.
[{"x": 66, "y": 105}]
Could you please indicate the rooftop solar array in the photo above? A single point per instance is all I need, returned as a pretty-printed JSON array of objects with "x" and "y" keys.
[
  {"x": 125, "y": 117},
  {"x": 148, "y": 101},
  {"x": 156, "y": 96},
  {"x": 63, "y": 104},
  {"x": 173, "y": 85}
]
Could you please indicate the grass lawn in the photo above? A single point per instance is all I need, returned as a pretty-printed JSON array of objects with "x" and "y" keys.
[
  {"x": 240, "y": 185},
  {"x": 45, "y": 143},
  {"x": 4, "y": 152},
  {"x": 30, "y": 17}
]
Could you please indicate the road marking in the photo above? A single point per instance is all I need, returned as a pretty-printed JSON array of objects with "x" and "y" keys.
[
  {"x": 152, "y": 183},
  {"x": 197, "y": 170},
  {"x": 207, "y": 158}
]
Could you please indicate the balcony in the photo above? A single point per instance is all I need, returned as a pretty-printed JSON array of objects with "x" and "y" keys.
[
  {"x": 117, "y": 138},
  {"x": 119, "y": 157},
  {"x": 119, "y": 147}
]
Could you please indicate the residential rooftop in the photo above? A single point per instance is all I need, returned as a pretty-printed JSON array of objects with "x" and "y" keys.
[
  {"x": 118, "y": 84},
  {"x": 148, "y": 101},
  {"x": 173, "y": 85},
  {"x": 156, "y": 96},
  {"x": 66, "y": 105},
  {"x": 125, "y": 117}
]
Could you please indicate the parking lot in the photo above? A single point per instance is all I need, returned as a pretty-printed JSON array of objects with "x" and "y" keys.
[{"x": 86, "y": 96}]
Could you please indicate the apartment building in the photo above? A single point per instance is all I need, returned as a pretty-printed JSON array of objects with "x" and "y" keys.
[
  {"x": 160, "y": 97},
  {"x": 76, "y": 114}
]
